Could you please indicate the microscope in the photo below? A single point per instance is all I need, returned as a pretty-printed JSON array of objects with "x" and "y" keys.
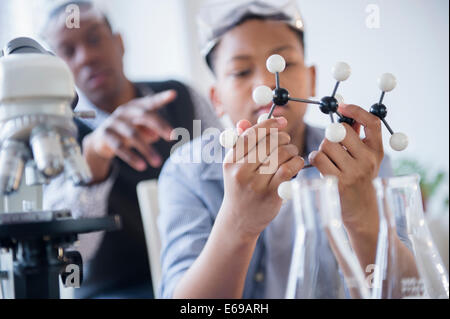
[{"x": 38, "y": 142}]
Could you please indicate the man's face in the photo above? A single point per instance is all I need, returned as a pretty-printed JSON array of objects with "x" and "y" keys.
[
  {"x": 93, "y": 53},
  {"x": 240, "y": 67}
]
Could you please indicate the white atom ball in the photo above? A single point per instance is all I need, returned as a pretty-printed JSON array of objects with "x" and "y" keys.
[
  {"x": 285, "y": 191},
  {"x": 387, "y": 82},
  {"x": 335, "y": 132},
  {"x": 263, "y": 117},
  {"x": 341, "y": 71},
  {"x": 262, "y": 95},
  {"x": 228, "y": 138},
  {"x": 399, "y": 141},
  {"x": 276, "y": 63},
  {"x": 340, "y": 99}
]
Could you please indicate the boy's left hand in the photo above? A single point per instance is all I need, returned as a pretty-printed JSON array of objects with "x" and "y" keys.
[{"x": 356, "y": 163}]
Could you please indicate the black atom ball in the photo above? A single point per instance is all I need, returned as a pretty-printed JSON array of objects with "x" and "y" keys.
[
  {"x": 280, "y": 97},
  {"x": 329, "y": 105},
  {"x": 379, "y": 110},
  {"x": 347, "y": 120}
]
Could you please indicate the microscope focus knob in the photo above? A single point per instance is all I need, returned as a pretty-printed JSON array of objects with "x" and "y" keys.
[{"x": 71, "y": 258}]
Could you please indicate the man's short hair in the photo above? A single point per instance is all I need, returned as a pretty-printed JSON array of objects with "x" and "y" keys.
[{"x": 55, "y": 11}]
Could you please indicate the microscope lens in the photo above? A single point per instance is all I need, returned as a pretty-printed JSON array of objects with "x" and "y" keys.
[
  {"x": 47, "y": 151},
  {"x": 75, "y": 165},
  {"x": 12, "y": 164}
]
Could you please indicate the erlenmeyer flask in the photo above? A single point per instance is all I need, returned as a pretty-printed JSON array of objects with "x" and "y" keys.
[
  {"x": 408, "y": 264},
  {"x": 319, "y": 231}
]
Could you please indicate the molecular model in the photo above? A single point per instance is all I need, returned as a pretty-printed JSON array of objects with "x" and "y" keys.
[
  {"x": 263, "y": 95},
  {"x": 386, "y": 83},
  {"x": 335, "y": 132}
]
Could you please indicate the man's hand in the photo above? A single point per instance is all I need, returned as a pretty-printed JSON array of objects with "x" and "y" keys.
[
  {"x": 251, "y": 199},
  {"x": 131, "y": 128}
]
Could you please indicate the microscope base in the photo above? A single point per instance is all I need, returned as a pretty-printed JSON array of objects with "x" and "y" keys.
[{"x": 38, "y": 252}]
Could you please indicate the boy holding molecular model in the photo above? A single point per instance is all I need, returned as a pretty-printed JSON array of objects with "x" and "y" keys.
[{"x": 225, "y": 231}]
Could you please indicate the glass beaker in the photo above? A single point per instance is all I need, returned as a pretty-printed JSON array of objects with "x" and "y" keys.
[
  {"x": 323, "y": 264},
  {"x": 408, "y": 264},
  {"x": 6, "y": 274}
]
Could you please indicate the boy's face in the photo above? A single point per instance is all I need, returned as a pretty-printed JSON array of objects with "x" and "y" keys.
[{"x": 240, "y": 67}]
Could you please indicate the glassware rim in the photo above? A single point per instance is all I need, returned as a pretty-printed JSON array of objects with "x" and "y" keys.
[
  {"x": 315, "y": 183},
  {"x": 395, "y": 181}
]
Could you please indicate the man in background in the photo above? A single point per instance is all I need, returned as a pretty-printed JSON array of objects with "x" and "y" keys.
[{"x": 127, "y": 143}]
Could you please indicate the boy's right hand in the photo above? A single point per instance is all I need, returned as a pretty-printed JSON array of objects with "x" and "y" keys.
[{"x": 261, "y": 160}]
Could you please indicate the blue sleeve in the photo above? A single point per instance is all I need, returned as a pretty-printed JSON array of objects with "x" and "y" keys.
[
  {"x": 184, "y": 223},
  {"x": 386, "y": 168}
]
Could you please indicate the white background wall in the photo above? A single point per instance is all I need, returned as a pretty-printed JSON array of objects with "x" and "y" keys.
[{"x": 412, "y": 42}]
